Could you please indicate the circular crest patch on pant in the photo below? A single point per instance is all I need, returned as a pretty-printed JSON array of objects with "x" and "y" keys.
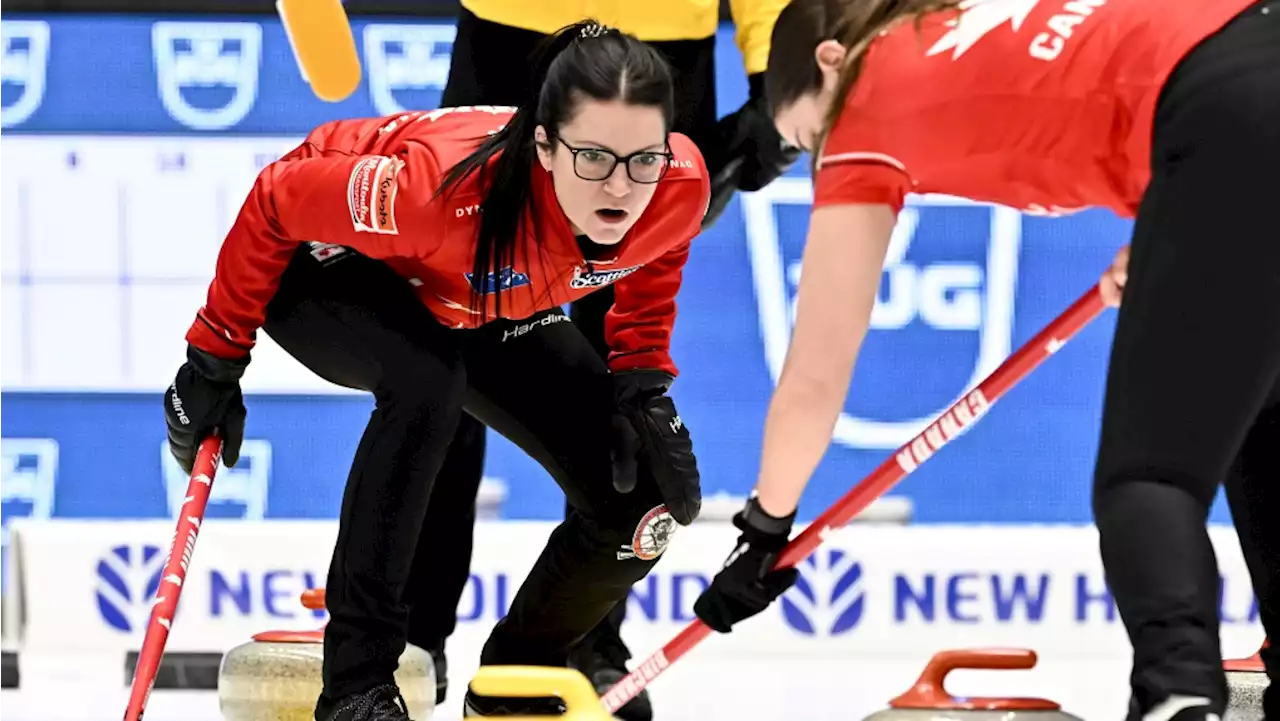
[{"x": 653, "y": 533}]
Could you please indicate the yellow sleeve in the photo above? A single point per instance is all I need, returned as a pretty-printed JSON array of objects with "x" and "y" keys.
[{"x": 753, "y": 22}]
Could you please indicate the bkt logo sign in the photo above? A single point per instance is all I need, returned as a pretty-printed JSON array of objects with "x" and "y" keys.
[
  {"x": 408, "y": 65},
  {"x": 23, "y": 69},
  {"x": 207, "y": 73},
  {"x": 947, "y": 290},
  {"x": 128, "y": 576}
]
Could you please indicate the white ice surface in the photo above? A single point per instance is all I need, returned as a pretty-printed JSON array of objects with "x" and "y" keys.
[{"x": 689, "y": 691}]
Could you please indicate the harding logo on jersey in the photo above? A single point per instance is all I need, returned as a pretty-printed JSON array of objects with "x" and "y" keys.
[
  {"x": 947, "y": 291},
  {"x": 25, "y": 65},
  {"x": 587, "y": 277},
  {"x": 194, "y": 59},
  {"x": 371, "y": 195},
  {"x": 518, "y": 330}
]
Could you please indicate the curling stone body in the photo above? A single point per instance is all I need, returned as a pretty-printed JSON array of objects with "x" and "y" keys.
[
  {"x": 1247, "y": 688},
  {"x": 278, "y": 679},
  {"x": 1247, "y": 680},
  {"x": 928, "y": 699}
]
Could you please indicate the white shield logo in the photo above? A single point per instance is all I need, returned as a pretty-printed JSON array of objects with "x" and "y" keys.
[
  {"x": 246, "y": 484},
  {"x": 207, "y": 73},
  {"x": 408, "y": 65},
  {"x": 938, "y": 296},
  {"x": 25, "y": 62}
]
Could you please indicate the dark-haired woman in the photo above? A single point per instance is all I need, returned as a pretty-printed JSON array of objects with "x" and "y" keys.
[
  {"x": 1168, "y": 112},
  {"x": 409, "y": 257},
  {"x": 743, "y": 151}
]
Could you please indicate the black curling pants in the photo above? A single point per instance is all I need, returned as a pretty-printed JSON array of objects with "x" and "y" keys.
[
  {"x": 356, "y": 323},
  {"x": 1193, "y": 386},
  {"x": 480, "y": 76}
]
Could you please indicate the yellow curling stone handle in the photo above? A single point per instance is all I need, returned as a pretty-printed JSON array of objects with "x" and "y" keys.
[{"x": 580, "y": 699}]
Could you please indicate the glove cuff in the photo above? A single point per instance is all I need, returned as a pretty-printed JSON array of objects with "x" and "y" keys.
[
  {"x": 630, "y": 384},
  {"x": 755, "y": 517},
  {"x": 218, "y": 370}
]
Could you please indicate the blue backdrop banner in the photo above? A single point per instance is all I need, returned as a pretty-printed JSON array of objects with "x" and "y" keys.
[{"x": 965, "y": 285}]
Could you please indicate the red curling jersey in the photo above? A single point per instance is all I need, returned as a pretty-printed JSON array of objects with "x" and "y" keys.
[
  {"x": 1042, "y": 105},
  {"x": 368, "y": 185}
]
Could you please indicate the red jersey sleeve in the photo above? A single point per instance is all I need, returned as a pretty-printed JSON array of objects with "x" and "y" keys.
[
  {"x": 638, "y": 327},
  {"x": 847, "y": 180},
  {"x": 852, "y": 168},
  {"x": 377, "y": 205}
]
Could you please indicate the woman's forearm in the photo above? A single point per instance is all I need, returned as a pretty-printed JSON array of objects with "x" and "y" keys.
[
  {"x": 838, "y": 285},
  {"x": 796, "y": 435}
]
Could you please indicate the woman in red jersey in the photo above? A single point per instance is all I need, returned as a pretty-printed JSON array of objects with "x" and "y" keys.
[
  {"x": 1168, "y": 112},
  {"x": 423, "y": 258}
]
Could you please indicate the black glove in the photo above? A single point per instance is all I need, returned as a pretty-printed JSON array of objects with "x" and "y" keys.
[
  {"x": 205, "y": 395},
  {"x": 745, "y": 152},
  {"x": 748, "y": 584},
  {"x": 649, "y": 437}
]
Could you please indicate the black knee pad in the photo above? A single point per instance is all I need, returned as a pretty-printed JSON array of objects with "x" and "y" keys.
[
  {"x": 1119, "y": 508},
  {"x": 1109, "y": 485}
]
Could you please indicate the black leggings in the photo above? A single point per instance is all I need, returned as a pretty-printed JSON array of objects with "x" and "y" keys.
[
  {"x": 1193, "y": 386},
  {"x": 479, "y": 76},
  {"x": 356, "y": 323}
]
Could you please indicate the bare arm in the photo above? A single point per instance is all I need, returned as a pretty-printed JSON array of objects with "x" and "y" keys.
[{"x": 842, "y": 265}]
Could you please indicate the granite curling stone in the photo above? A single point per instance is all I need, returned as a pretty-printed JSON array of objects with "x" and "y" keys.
[
  {"x": 928, "y": 699},
  {"x": 1247, "y": 680},
  {"x": 276, "y": 676}
]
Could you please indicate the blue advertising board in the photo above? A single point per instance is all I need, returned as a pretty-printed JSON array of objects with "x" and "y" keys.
[
  {"x": 965, "y": 286},
  {"x": 223, "y": 74}
]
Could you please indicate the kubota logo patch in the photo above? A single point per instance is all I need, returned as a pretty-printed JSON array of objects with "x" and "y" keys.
[{"x": 371, "y": 195}]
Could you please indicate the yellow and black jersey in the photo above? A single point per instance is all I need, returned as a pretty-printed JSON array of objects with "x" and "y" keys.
[{"x": 649, "y": 20}]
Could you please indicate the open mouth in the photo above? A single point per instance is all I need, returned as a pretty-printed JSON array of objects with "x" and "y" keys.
[{"x": 611, "y": 215}]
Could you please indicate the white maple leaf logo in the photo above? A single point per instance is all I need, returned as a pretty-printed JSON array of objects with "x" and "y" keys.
[{"x": 977, "y": 18}]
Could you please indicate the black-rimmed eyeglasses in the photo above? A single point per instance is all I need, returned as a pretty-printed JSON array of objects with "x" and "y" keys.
[{"x": 645, "y": 166}]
